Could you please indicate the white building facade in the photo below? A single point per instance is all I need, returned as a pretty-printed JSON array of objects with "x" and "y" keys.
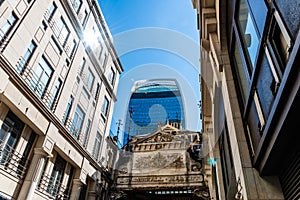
[{"x": 59, "y": 73}]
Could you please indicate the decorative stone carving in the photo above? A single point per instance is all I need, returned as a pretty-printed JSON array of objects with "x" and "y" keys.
[{"x": 159, "y": 160}]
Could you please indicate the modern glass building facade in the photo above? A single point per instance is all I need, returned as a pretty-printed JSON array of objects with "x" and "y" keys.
[{"x": 153, "y": 103}]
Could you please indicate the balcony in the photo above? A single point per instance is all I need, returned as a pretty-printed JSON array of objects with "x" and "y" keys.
[{"x": 12, "y": 162}]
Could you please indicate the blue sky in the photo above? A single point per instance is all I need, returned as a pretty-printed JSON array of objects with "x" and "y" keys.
[{"x": 156, "y": 39}]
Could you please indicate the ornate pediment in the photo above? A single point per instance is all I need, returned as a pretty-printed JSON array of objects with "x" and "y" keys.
[{"x": 164, "y": 134}]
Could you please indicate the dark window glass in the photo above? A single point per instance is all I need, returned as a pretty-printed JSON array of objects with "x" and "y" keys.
[
  {"x": 280, "y": 41},
  {"x": 265, "y": 85},
  {"x": 290, "y": 11},
  {"x": 105, "y": 104},
  {"x": 10, "y": 132}
]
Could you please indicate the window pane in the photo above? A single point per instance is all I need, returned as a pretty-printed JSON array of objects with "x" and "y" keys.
[
  {"x": 50, "y": 12},
  {"x": 81, "y": 66},
  {"x": 68, "y": 108},
  {"x": 72, "y": 48},
  {"x": 97, "y": 145},
  {"x": 249, "y": 35},
  {"x": 111, "y": 76},
  {"x": 7, "y": 26},
  {"x": 41, "y": 77},
  {"x": 290, "y": 11},
  {"x": 84, "y": 18},
  {"x": 105, "y": 106},
  {"x": 26, "y": 57},
  {"x": 77, "y": 122},
  {"x": 89, "y": 79},
  {"x": 242, "y": 77},
  {"x": 62, "y": 32},
  {"x": 54, "y": 93}
]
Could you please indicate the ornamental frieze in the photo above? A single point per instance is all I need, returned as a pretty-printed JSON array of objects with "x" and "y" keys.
[
  {"x": 175, "y": 179},
  {"x": 159, "y": 160}
]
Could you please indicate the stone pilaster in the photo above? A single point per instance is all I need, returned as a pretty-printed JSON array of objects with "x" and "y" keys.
[
  {"x": 76, "y": 189},
  {"x": 33, "y": 175}
]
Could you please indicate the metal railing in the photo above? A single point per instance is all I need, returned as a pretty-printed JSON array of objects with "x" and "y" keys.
[
  {"x": 49, "y": 186},
  {"x": 32, "y": 80},
  {"x": 12, "y": 161}
]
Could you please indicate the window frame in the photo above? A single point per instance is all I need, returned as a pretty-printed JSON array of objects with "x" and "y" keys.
[
  {"x": 80, "y": 115},
  {"x": 51, "y": 11},
  {"x": 47, "y": 70},
  {"x": 8, "y": 25},
  {"x": 89, "y": 79},
  {"x": 27, "y": 57},
  {"x": 68, "y": 109},
  {"x": 96, "y": 152}
]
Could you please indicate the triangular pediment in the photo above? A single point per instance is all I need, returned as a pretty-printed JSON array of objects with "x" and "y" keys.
[{"x": 163, "y": 134}]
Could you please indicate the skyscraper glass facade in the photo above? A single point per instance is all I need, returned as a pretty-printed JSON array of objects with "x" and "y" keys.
[{"x": 153, "y": 103}]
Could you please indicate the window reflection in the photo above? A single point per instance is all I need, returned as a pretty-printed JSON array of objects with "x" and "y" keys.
[
  {"x": 249, "y": 35},
  {"x": 241, "y": 73}
]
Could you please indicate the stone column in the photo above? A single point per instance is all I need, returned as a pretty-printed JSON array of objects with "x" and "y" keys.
[
  {"x": 76, "y": 189},
  {"x": 33, "y": 175},
  {"x": 93, "y": 190}
]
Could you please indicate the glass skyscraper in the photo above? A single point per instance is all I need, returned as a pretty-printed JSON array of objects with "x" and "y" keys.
[{"x": 153, "y": 102}]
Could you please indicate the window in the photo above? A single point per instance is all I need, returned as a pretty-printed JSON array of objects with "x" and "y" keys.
[
  {"x": 84, "y": 18},
  {"x": 242, "y": 75},
  {"x": 44, "y": 25},
  {"x": 7, "y": 26},
  {"x": 72, "y": 48},
  {"x": 86, "y": 132},
  {"x": 68, "y": 108},
  {"x": 55, "y": 45},
  {"x": 10, "y": 132},
  {"x": 97, "y": 145},
  {"x": 81, "y": 66},
  {"x": 105, "y": 60},
  {"x": 280, "y": 40},
  {"x": 56, "y": 178},
  {"x": 51, "y": 12},
  {"x": 85, "y": 92},
  {"x": 77, "y": 122},
  {"x": 54, "y": 94},
  {"x": 96, "y": 94},
  {"x": 104, "y": 108},
  {"x": 76, "y": 5},
  {"x": 89, "y": 79},
  {"x": 249, "y": 37},
  {"x": 62, "y": 32},
  {"x": 41, "y": 77},
  {"x": 111, "y": 76},
  {"x": 25, "y": 59}
]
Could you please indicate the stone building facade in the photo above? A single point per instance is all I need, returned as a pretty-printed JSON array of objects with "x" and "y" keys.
[
  {"x": 165, "y": 164},
  {"x": 59, "y": 73},
  {"x": 250, "y": 95}
]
